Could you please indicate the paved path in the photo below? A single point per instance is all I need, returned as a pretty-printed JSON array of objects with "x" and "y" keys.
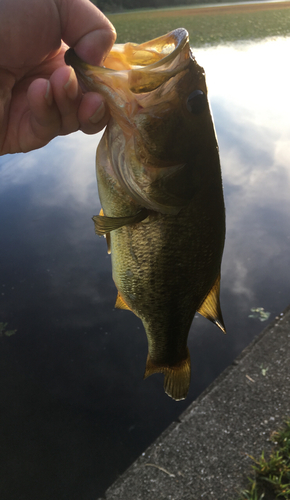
[{"x": 206, "y": 454}]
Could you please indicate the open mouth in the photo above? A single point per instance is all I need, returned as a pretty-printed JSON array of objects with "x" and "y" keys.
[
  {"x": 156, "y": 52},
  {"x": 141, "y": 68}
]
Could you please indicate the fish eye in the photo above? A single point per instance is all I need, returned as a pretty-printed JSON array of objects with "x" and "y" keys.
[{"x": 196, "y": 102}]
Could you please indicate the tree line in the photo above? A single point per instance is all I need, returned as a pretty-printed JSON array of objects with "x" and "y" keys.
[{"x": 120, "y": 5}]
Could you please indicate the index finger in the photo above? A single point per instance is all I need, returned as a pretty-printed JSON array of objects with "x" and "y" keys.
[{"x": 84, "y": 27}]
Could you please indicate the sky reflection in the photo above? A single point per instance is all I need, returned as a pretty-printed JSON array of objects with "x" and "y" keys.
[
  {"x": 74, "y": 357},
  {"x": 248, "y": 87}
]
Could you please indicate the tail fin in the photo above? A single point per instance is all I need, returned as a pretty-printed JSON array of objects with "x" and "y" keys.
[{"x": 176, "y": 378}]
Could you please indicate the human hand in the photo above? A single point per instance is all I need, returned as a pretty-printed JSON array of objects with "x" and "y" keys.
[{"x": 39, "y": 95}]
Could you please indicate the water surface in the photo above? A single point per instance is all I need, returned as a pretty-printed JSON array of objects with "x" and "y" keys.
[{"x": 75, "y": 411}]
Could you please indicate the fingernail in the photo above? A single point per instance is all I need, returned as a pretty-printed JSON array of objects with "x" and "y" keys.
[
  {"x": 99, "y": 114},
  {"x": 48, "y": 94},
  {"x": 71, "y": 87}
]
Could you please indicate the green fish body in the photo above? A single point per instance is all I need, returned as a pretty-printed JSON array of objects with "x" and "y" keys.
[{"x": 160, "y": 187}]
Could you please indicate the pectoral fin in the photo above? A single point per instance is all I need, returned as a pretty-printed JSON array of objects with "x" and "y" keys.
[
  {"x": 108, "y": 239},
  {"x": 176, "y": 378},
  {"x": 121, "y": 304},
  {"x": 210, "y": 308},
  {"x": 107, "y": 235},
  {"x": 104, "y": 225}
]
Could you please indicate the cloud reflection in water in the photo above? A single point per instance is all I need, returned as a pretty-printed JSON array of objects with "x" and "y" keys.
[
  {"x": 249, "y": 92},
  {"x": 56, "y": 287}
]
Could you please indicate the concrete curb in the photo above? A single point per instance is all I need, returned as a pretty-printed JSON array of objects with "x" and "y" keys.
[{"x": 206, "y": 454}]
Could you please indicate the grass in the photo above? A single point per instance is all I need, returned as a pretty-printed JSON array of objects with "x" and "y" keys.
[
  {"x": 212, "y": 28},
  {"x": 272, "y": 475}
]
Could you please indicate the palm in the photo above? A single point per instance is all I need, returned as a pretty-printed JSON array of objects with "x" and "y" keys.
[{"x": 33, "y": 111}]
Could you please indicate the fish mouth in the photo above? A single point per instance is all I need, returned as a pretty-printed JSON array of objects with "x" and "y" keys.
[
  {"x": 139, "y": 83},
  {"x": 131, "y": 69}
]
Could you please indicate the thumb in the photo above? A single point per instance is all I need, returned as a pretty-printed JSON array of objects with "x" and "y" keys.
[{"x": 84, "y": 27}]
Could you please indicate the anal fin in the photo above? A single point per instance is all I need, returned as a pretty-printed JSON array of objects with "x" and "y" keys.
[
  {"x": 176, "y": 378},
  {"x": 104, "y": 225},
  {"x": 210, "y": 308}
]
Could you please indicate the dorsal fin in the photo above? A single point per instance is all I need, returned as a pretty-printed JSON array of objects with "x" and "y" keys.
[
  {"x": 176, "y": 378},
  {"x": 210, "y": 308},
  {"x": 104, "y": 225},
  {"x": 121, "y": 304}
]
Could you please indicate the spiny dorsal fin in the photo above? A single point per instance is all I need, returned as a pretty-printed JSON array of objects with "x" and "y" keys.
[
  {"x": 210, "y": 308},
  {"x": 105, "y": 224},
  {"x": 121, "y": 304},
  {"x": 176, "y": 378}
]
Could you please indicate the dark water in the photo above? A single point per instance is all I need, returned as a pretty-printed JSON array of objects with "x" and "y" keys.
[{"x": 75, "y": 411}]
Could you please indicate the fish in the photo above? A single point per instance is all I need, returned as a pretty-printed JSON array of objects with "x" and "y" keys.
[{"x": 160, "y": 187}]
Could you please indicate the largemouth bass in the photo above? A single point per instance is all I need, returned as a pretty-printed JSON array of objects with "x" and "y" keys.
[{"x": 160, "y": 187}]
